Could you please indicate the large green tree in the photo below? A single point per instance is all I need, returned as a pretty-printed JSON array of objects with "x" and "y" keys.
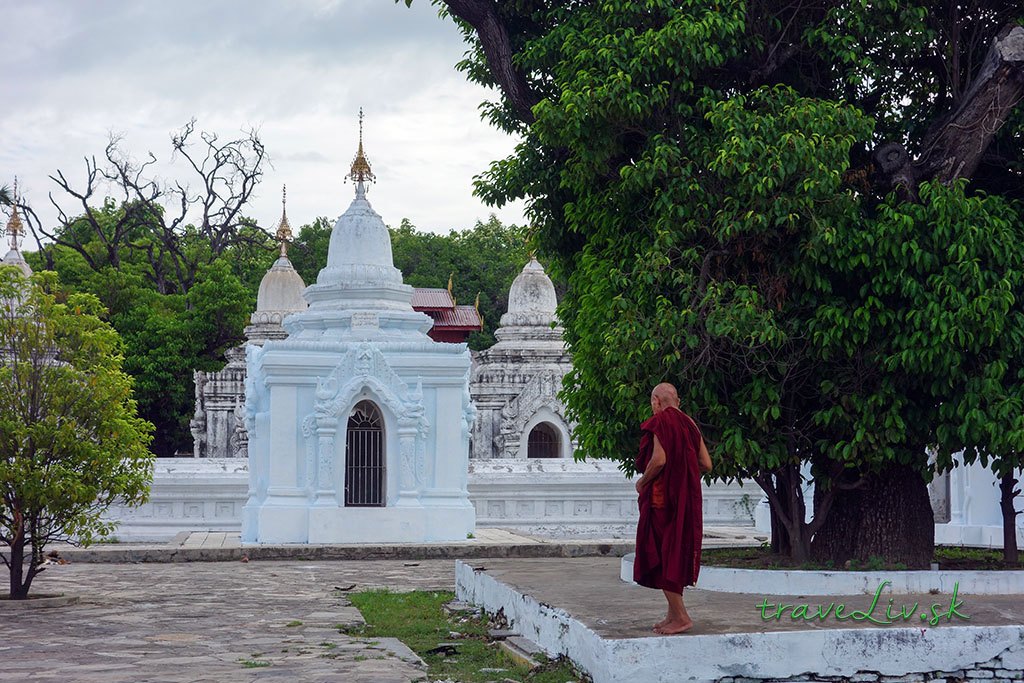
[
  {"x": 70, "y": 440},
  {"x": 805, "y": 215},
  {"x": 167, "y": 334}
]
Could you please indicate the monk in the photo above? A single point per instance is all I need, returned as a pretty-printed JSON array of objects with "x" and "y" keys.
[{"x": 668, "y": 535}]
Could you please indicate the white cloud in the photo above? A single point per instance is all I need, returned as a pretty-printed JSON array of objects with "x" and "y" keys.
[{"x": 297, "y": 71}]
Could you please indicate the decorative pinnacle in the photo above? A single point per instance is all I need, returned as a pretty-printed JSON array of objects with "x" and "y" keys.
[
  {"x": 284, "y": 230},
  {"x": 360, "y": 171},
  {"x": 15, "y": 228}
]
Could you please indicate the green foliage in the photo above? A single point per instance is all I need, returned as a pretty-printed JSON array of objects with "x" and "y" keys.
[
  {"x": 70, "y": 440},
  {"x": 419, "y": 620},
  {"x": 483, "y": 260},
  {"x": 168, "y": 335},
  {"x": 699, "y": 175}
]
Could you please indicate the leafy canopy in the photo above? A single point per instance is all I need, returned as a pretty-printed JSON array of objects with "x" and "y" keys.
[{"x": 71, "y": 442}]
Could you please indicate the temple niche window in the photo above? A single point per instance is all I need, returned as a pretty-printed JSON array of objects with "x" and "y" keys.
[
  {"x": 543, "y": 442},
  {"x": 364, "y": 457}
]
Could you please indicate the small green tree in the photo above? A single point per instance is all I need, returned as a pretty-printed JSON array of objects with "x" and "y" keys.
[{"x": 70, "y": 440}]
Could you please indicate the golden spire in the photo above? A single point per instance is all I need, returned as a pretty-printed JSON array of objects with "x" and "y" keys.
[
  {"x": 450, "y": 276},
  {"x": 15, "y": 228},
  {"x": 284, "y": 230},
  {"x": 360, "y": 171}
]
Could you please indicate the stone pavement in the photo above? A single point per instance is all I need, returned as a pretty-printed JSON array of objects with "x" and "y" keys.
[
  {"x": 171, "y": 620},
  {"x": 210, "y": 622}
]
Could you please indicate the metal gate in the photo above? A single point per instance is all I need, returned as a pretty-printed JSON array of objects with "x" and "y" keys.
[
  {"x": 364, "y": 457},
  {"x": 543, "y": 442}
]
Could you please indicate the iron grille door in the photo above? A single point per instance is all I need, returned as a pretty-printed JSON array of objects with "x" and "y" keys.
[
  {"x": 364, "y": 457},
  {"x": 543, "y": 442}
]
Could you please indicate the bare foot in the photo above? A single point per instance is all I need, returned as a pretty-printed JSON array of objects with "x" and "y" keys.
[
  {"x": 661, "y": 623},
  {"x": 672, "y": 628}
]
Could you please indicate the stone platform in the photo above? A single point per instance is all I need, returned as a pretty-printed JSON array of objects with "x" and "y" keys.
[
  {"x": 581, "y": 608},
  {"x": 219, "y": 546}
]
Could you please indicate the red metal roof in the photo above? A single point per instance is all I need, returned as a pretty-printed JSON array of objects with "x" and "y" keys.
[
  {"x": 432, "y": 298},
  {"x": 460, "y": 316}
]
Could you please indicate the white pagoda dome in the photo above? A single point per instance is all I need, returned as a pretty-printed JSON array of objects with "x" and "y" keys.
[
  {"x": 531, "y": 299},
  {"x": 280, "y": 292}
]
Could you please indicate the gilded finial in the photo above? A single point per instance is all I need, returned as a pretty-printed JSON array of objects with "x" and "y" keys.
[
  {"x": 450, "y": 276},
  {"x": 15, "y": 228},
  {"x": 284, "y": 230},
  {"x": 477, "y": 307},
  {"x": 360, "y": 171}
]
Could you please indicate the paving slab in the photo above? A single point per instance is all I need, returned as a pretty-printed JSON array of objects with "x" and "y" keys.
[{"x": 184, "y": 623}]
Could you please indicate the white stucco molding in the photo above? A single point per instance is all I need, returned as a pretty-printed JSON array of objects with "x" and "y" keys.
[
  {"x": 366, "y": 374},
  {"x": 547, "y": 414},
  {"x": 541, "y": 392}
]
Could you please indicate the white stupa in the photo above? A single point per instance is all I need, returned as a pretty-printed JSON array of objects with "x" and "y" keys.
[
  {"x": 15, "y": 230},
  {"x": 280, "y": 292},
  {"x": 218, "y": 422},
  {"x": 358, "y": 422},
  {"x": 516, "y": 382}
]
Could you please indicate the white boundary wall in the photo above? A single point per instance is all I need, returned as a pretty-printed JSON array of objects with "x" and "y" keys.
[{"x": 559, "y": 497}]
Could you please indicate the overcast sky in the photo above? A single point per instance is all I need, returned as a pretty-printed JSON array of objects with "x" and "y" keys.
[{"x": 297, "y": 70}]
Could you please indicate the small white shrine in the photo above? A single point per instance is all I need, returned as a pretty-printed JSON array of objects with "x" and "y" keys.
[
  {"x": 358, "y": 422},
  {"x": 516, "y": 382}
]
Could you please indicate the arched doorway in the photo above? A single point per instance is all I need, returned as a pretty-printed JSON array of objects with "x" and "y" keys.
[
  {"x": 543, "y": 442},
  {"x": 364, "y": 457}
]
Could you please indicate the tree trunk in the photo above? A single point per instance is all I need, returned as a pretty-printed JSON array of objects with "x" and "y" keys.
[
  {"x": 1007, "y": 494},
  {"x": 890, "y": 517},
  {"x": 18, "y": 591},
  {"x": 780, "y": 535},
  {"x": 785, "y": 497}
]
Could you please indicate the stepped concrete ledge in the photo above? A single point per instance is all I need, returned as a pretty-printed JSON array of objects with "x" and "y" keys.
[
  {"x": 581, "y": 609},
  {"x": 214, "y": 546}
]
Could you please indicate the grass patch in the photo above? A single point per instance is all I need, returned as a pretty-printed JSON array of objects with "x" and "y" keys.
[
  {"x": 255, "y": 663},
  {"x": 948, "y": 557},
  {"x": 419, "y": 621},
  {"x": 294, "y": 622}
]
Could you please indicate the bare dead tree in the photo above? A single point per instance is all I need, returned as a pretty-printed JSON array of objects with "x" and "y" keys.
[{"x": 174, "y": 227}]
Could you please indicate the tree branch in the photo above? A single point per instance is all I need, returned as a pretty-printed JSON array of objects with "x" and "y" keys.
[{"x": 482, "y": 15}]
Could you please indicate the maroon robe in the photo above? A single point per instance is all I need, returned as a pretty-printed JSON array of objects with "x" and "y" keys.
[{"x": 668, "y": 539}]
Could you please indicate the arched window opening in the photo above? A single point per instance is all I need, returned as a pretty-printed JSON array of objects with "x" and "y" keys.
[
  {"x": 543, "y": 442},
  {"x": 364, "y": 457}
]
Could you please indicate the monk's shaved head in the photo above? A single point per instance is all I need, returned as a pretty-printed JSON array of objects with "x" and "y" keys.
[{"x": 663, "y": 396}]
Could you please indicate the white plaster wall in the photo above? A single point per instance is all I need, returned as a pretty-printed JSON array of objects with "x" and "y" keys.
[
  {"x": 565, "y": 497},
  {"x": 188, "y": 494}
]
